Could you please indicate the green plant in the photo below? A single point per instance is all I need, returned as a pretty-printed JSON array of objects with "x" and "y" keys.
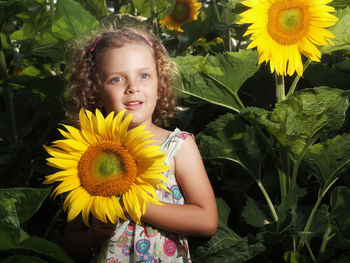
[{"x": 279, "y": 163}]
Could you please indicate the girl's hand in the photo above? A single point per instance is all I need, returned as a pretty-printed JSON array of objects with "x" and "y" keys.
[{"x": 99, "y": 231}]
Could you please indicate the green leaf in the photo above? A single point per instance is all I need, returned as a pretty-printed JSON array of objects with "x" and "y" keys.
[
  {"x": 322, "y": 75},
  {"x": 295, "y": 257},
  {"x": 253, "y": 215},
  {"x": 27, "y": 200},
  {"x": 45, "y": 247},
  {"x": 226, "y": 245},
  {"x": 341, "y": 32},
  {"x": 9, "y": 224},
  {"x": 230, "y": 138},
  {"x": 72, "y": 20},
  {"x": 217, "y": 79},
  {"x": 289, "y": 203},
  {"x": 47, "y": 45},
  {"x": 194, "y": 29},
  {"x": 23, "y": 259},
  {"x": 10, "y": 8},
  {"x": 97, "y": 8},
  {"x": 329, "y": 159},
  {"x": 305, "y": 116},
  {"x": 344, "y": 65},
  {"x": 144, "y": 9},
  {"x": 340, "y": 214},
  {"x": 216, "y": 142}
]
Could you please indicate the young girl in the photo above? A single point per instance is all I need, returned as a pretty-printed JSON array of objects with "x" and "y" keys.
[{"x": 130, "y": 69}]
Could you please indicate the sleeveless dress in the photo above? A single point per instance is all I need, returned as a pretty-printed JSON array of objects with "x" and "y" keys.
[{"x": 146, "y": 243}]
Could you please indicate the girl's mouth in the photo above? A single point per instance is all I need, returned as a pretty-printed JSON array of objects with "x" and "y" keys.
[{"x": 133, "y": 105}]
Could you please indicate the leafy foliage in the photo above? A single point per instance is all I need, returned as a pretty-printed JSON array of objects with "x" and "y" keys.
[{"x": 279, "y": 170}]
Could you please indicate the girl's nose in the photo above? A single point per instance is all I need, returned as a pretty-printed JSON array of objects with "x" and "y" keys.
[{"x": 133, "y": 86}]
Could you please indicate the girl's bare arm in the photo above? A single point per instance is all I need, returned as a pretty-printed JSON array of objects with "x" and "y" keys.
[{"x": 198, "y": 216}]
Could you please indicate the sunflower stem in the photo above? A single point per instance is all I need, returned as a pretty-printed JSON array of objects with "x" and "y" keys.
[
  {"x": 280, "y": 92},
  {"x": 227, "y": 17},
  {"x": 52, "y": 11},
  {"x": 296, "y": 79},
  {"x": 8, "y": 94},
  {"x": 216, "y": 10},
  {"x": 102, "y": 254},
  {"x": 263, "y": 190},
  {"x": 52, "y": 222},
  {"x": 153, "y": 7}
]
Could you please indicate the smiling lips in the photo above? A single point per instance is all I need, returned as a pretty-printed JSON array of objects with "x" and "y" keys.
[{"x": 133, "y": 105}]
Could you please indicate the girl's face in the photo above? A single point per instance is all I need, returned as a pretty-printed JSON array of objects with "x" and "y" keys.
[{"x": 129, "y": 81}]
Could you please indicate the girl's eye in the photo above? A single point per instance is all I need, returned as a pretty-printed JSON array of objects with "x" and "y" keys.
[
  {"x": 144, "y": 76},
  {"x": 117, "y": 79}
]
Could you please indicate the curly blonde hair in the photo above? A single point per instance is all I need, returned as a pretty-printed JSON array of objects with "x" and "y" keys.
[{"x": 84, "y": 81}]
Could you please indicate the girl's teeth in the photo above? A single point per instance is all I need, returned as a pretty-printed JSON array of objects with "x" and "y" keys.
[{"x": 133, "y": 103}]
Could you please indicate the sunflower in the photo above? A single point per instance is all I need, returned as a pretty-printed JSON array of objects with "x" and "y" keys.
[
  {"x": 184, "y": 10},
  {"x": 104, "y": 164},
  {"x": 283, "y": 29}
]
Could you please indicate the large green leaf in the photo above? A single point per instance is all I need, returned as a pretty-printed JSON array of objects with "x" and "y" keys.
[
  {"x": 340, "y": 214},
  {"x": 72, "y": 20},
  {"x": 217, "y": 79},
  {"x": 253, "y": 215},
  {"x": 47, "y": 45},
  {"x": 144, "y": 9},
  {"x": 230, "y": 138},
  {"x": 12, "y": 7},
  {"x": 23, "y": 259},
  {"x": 341, "y": 32},
  {"x": 97, "y": 8},
  {"x": 27, "y": 200},
  {"x": 289, "y": 204},
  {"x": 216, "y": 142},
  {"x": 305, "y": 116},
  {"x": 329, "y": 159},
  {"x": 45, "y": 247},
  {"x": 9, "y": 224},
  {"x": 226, "y": 245}
]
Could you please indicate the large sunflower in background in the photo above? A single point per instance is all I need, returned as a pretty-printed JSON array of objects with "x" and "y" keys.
[
  {"x": 184, "y": 11},
  {"x": 103, "y": 164},
  {"x": 282, "y": 30}
]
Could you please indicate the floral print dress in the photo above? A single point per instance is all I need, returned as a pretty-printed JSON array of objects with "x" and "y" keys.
[{"x": 135, "y": 243}]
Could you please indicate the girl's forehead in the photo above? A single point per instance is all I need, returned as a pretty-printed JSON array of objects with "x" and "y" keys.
[
  {"x": 130, "y": 56},
  {"x": 130, "y": 49}
]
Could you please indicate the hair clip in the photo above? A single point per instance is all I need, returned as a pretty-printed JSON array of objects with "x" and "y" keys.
[
  {"x": 92, "y": 49},
  {"x": 148, "y": 41}
]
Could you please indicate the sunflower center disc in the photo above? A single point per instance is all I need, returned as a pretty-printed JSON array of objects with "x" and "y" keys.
[
  {"x": 287, "y": 24},
  {"x": 108, "y": 164},
  {"x": 107, "y": 169},
  {"x": 290, "y": 19},
  {"x": 181, "y": 12}
]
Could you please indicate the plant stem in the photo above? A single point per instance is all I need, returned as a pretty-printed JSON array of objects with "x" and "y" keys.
[
  {"x": 263, "y": 190},
  {"x": 283, "y": 172},
  {"x": 294, "y": 174},
  {"x": 325, "y": 239},
  {"x": 8, "y": 95},
  {"x": 280, "y": 90},
  {"x": 153, "y": 7},
  {"x": 52, "y": 222},
  {"x": 268, "y": 200},
  {"x": 102, "y": 254},
  {"x": 227, "y": 38},
  {"x": 216, "y": 10},
  {"x": 309, "y": 220},
  {"x": 297, "y": 77},
  {"x": 52, "y": 11},
  {"x": 310, "y": 252}
]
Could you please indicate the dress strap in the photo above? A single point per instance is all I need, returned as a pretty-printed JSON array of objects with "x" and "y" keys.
[{"x": 173, "y": 144}]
